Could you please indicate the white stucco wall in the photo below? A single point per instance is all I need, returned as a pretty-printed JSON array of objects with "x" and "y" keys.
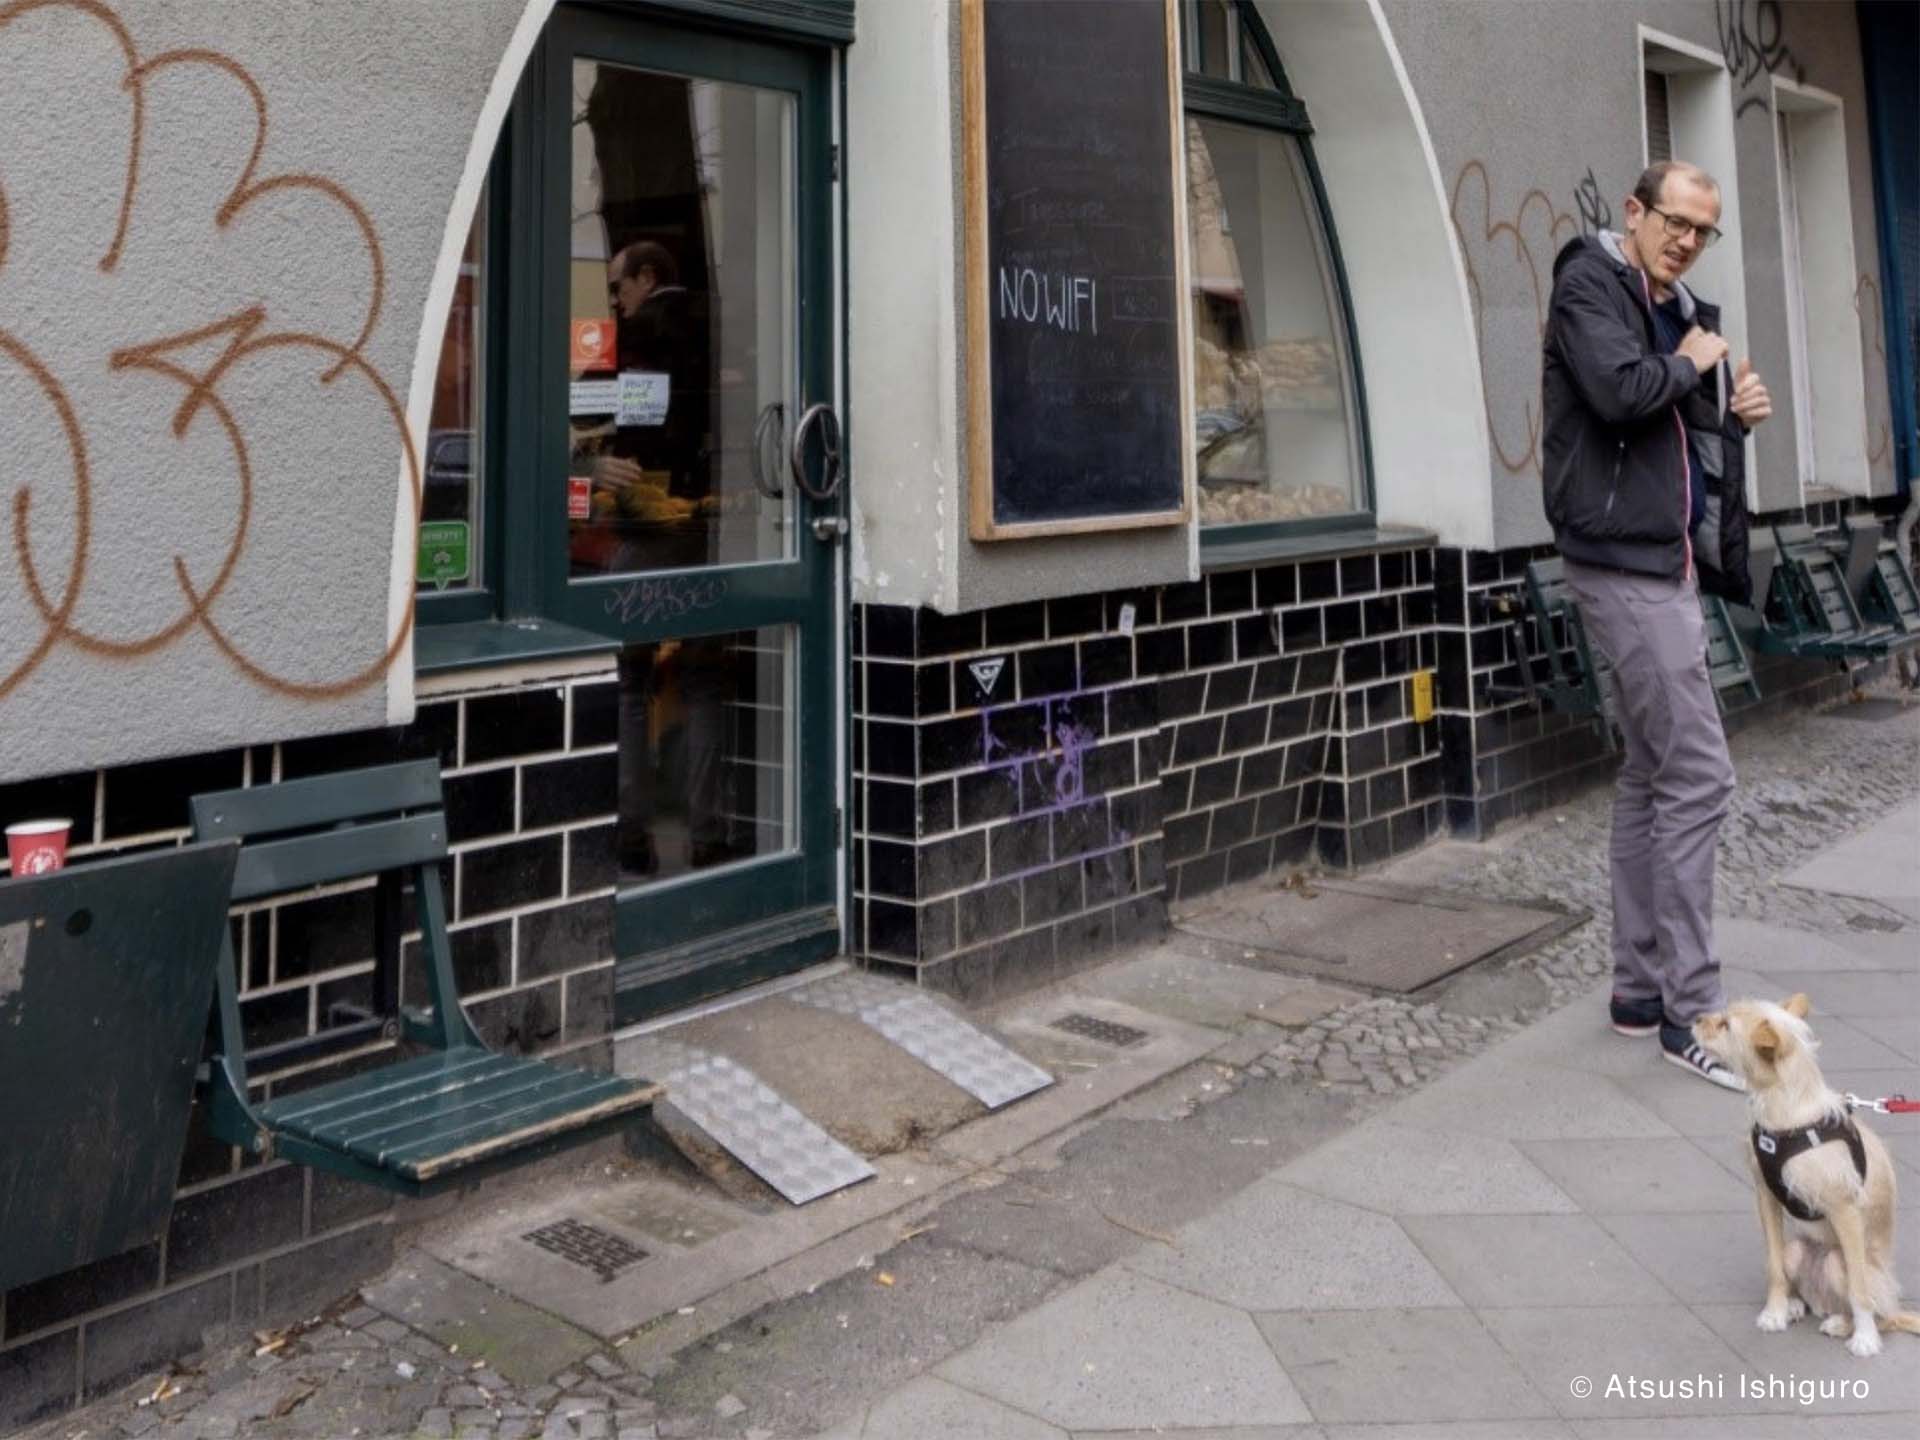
[{"x": 248, "y": 205}]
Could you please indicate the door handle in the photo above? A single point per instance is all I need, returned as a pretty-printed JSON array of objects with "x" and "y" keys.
[
  {"x": 772, "y": 420},
  {"x": 820, "y": 415}
]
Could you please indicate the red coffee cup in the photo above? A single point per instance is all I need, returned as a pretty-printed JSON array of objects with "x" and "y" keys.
[{"x": 37, "y": 847}]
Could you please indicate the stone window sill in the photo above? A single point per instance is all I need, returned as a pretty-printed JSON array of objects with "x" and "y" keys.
[{"x": 1222, "y": 553}]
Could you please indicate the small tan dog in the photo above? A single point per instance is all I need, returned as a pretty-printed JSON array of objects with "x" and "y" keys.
[{"x": 1813, "y": 1163}]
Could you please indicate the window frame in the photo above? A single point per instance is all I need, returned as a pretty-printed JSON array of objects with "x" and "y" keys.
[
  {"x": 484, "y": 601},
  {"x": 1282, "y": 112}
]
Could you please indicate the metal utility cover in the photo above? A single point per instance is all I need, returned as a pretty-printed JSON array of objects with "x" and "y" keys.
[
  {"x": 1384, "y": 937},
  {"x": 587, "y": 1246},
  {"x": 1107, "y": 1032}
]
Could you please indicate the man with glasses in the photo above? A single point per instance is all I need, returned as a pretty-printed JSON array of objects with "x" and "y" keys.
[{"x": 1645, "y": 482}]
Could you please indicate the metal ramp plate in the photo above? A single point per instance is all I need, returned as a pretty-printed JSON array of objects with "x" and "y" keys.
[
  {"x": 745, "y": 1117},
  {"x": 933, "y": 1035}
]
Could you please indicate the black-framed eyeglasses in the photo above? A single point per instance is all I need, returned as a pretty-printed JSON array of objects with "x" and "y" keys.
[{"x": 1676, "y": 227}]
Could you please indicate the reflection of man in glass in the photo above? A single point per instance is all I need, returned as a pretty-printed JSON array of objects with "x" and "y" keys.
[
  {"x": 652, "y": 484},
  {"x": 661, "y": 332}
]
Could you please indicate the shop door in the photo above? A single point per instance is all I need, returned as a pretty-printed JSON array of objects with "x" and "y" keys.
[{"x": 687, "y": 183}]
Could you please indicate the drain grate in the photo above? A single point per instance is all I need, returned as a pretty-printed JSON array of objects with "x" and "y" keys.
[
  {"x": 1105, "y": 1031},
  {"x": 587, "y": 1246}
]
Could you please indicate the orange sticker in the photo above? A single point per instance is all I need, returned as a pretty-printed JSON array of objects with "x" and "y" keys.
[
  {"x": 592, "y": 347},
  {"x": 579, "y": 497}
]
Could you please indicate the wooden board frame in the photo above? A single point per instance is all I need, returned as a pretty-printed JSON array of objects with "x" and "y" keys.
[{"x": 979, "y": 361}]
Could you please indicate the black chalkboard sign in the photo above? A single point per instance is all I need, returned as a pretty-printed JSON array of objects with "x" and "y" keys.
[{"x": 1077, "y": 383}]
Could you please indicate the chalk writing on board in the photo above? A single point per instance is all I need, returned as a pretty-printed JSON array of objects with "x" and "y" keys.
[{"x": 1065, "y": 302}]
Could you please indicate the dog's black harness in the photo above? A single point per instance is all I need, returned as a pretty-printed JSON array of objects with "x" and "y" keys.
[{"x": 1774, "y": 1148}]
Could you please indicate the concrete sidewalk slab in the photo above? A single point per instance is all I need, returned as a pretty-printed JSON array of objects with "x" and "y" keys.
[
  {"x": 1538, "y": 1429},
  {"x": 1844, "y": 1045},
  {"x": 1504, "y": 1099},
  {"x": 934, "y": 1409},
  {"x": 1539, "y": 1260},
  {"x": 1170, "y": 1045},
  {"x": 1399, "y": 1366},
  {"x": 523, "y": 1343},
  {"x": 491, "y": 1247},
  {"x": 1634, "y": 1177},
  {"x": 1273, "y": 1247},
  {"x": 1124, "y": 1351},
  {"x": 1748, "y": 1427},
  {"x": 1691, "y": 1108},
  {"x": 1875, "y": 864},
  {"x": 1576, "y": 1038},
  {"x": 1754, "y": 945},
  {"x": 1710, "y": 1259},
  {"x": 1801, "y": 1351},
  {"x": 1409, "y": 1170},
  {"x": 1848, "y": 994},
  {"x": 1561, "y": 1346},
  {"x": 1900, "y": 1032}
]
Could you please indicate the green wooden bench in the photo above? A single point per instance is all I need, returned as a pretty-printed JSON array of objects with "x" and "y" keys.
[
  {"x": 1879, "y": 578},
  {"x": 1579, "y": 680},
  {"x": 106, "y": 974},
  {"x": 447, "y": 1113},
  {"x": 1811, "y": 611}
]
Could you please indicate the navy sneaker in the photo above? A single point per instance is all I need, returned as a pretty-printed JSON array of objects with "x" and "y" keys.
[
  {"x": 1678, "y": 1047},
  {"x": 1636, "y": 1017}
]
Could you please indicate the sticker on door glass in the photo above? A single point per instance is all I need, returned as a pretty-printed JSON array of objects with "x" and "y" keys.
[
  {"x": 593, "y": 397},
  {"x": 643, "y": 398},
  {"x": 579, "y": 497},
  {"x": 592, "y": 347},
  {"x": 445, "y": 556}
]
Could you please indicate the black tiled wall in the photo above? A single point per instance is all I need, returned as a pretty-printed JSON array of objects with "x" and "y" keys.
[
  {"x": 1502, "y": 756},
  {"x": 530, "y": 789},
  {"x": 1033, "y": 784}
]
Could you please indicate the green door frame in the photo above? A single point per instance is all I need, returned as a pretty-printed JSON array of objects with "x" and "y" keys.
[{"x": 707, "y": 931}]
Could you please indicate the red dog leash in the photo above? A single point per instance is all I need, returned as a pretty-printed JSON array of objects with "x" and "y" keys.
[{"x": 1887, "y": 1105}]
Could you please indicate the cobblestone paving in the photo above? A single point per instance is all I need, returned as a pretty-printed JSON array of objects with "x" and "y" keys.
[{"x": 1805, "y": 782}]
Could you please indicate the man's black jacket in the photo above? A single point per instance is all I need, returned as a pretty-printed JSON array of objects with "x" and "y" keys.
[{"x": 1613, "y": 449}]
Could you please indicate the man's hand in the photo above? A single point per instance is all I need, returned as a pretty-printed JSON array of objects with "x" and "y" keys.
[
  {"x": 1750, "y": 400},
  {"x": 1703, "y": 349},
  {"x": 610, "y": 472}
]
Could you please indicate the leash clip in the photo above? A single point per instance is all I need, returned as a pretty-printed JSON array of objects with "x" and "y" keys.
[{"x": 1879, "y": 1107}]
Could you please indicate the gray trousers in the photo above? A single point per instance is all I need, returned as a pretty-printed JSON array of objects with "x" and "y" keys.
[{"x": 1675, "y": 783}]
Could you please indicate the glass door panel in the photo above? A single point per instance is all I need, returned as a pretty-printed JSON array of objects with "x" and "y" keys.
[
  {"x": 681, "y": 363},
  {"x": 706, "y": 752}
]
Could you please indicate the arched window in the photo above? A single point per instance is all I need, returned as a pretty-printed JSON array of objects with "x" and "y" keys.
[{"x": 1280, "y": 424}]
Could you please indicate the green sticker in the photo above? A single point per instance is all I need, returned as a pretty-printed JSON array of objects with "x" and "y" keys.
[{"x": 444, "y": 555}]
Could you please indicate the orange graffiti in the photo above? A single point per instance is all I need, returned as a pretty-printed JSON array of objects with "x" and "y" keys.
[
  {"x": 1554, "y": 227},
  {"x": 247, "y": 333},
  {"x": 1872, "y": 325}
]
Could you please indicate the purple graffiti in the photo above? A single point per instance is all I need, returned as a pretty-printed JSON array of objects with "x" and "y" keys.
[{"x": 1056, "y": 771}]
